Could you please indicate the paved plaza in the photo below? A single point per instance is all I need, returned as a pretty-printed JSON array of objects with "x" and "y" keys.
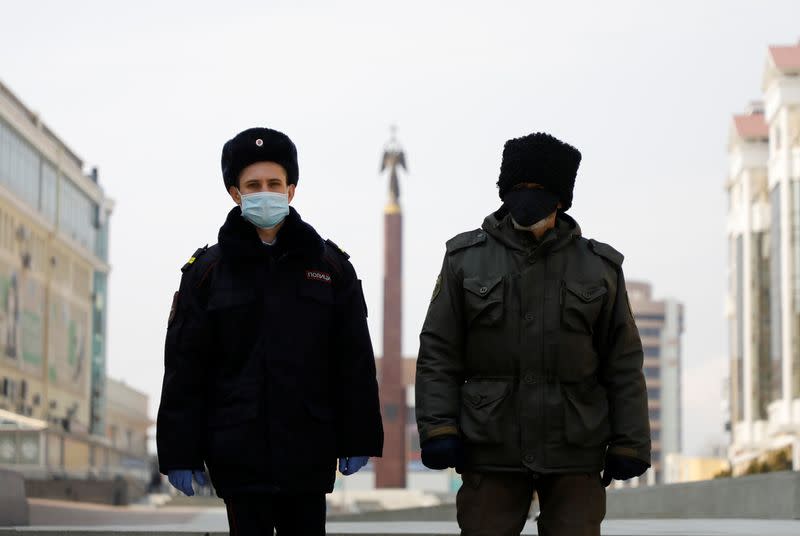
[{"x": 55, "y": 518}]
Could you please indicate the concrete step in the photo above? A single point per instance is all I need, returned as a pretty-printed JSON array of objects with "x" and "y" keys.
[{"x": 653, "y": 527}]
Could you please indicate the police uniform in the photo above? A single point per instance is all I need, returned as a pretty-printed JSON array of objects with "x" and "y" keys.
[{"x": 269, "y": 374}]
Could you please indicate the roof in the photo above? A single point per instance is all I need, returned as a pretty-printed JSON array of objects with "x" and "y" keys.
[
  {"x": 36, "y": 121},
  {"x": 786, "y": 58},
  {"x": 749, "y": 126}
]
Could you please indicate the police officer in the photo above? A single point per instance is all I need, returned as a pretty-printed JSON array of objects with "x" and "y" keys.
[
  {"x": 529, "y": 372},
  {"x": 269, "y": 369}
]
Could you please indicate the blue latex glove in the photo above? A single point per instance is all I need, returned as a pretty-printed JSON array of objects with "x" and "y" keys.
[
  {"x": 351, "y": 464},
  {"x": 181, "y": 479},
  {"x": 443, "y": 452}
]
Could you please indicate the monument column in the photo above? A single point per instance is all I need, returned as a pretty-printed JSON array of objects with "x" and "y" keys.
[{"x": 390, "y": 471}]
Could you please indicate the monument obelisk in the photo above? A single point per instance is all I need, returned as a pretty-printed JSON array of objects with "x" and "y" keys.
[{"x": 390, "y": 470}]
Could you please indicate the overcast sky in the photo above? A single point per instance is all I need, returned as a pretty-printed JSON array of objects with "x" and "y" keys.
[{"x": 149, "y": 91}]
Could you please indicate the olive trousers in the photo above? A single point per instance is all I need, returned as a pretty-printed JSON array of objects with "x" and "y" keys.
[{"x": 497, "y": 504}]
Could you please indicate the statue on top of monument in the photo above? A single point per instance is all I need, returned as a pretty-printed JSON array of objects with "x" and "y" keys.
[{"x": 393, "y": 157}]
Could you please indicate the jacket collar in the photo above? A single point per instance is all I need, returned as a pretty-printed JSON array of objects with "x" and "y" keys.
[
  {"x": 238, "y": 238},
  {"x": 500, "y": 226}
]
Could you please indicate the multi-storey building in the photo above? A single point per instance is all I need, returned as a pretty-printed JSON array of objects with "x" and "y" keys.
[
  {"x": 54, "y": 220},
  {"x": 764, "y": 259},
  {"x": 660, "y": 326}
]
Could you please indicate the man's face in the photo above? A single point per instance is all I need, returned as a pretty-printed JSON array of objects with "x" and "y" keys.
[{"x": 262, "y": 177}]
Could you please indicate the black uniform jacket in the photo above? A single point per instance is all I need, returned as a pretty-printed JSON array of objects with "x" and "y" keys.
[{"x": 269, "y": 368}]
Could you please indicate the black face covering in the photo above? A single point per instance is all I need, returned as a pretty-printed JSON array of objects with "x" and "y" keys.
[{"x": 529, "y": 205}]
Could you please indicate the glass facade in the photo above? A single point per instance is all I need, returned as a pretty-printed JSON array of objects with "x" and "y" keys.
[
  {"x": 760, "y": 318},
  {"x": 739, "y": 337},
  {"x": 20, "y": 166},
  {"x": 75, "y": 319},
  {"x": 36, "y": 182},
  {"x": 775, "y": 293},
  {"x": 98, "y": 394},
  {"x": 49, "y": 192},
  {"x": 76, "y": 215},
  {"x": 794, "y": 226}
]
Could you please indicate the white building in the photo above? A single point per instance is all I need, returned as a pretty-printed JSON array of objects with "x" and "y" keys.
[{"x": 764, "y": 259}]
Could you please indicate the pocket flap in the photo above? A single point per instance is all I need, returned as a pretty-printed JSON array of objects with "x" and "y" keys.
[
  {"x": 586, "y": 413},
  {"x": 223, "y": 299},
  {"x": 233, "y": 404},
  {"x": 230, "y": 415},
  {"x": 481, "y": 286},
  {"x": 319, "y": 412},
  {"x": 481, "y": 394},
  {"x": 586, "y": 292},
  {"x": 317, "y": 291}
]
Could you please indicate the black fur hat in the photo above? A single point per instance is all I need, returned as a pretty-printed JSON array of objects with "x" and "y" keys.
[
  {"x": 543, "y": 159},
  {"x": 258, "y": 145}
]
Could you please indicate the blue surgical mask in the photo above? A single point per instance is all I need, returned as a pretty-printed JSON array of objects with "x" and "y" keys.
[{"x": 265, "y": 209}]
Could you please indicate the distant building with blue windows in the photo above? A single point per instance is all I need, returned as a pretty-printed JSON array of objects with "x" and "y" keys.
[{"x": 660, "y": 324}]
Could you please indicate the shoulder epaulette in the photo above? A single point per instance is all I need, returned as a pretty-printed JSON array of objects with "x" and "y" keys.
[
  {"x": 196, "y": 255},
  {"x": 333, "y": 246},
  {"x": 466, "y": 240},
  {"x": 607, "y": 252}
]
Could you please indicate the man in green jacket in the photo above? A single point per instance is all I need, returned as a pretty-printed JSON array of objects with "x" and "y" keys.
[{"x": 529, "y": 375}]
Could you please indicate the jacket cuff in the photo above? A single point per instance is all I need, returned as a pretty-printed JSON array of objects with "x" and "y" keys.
[
  {"x": 630, "y": 453},
  {"x": 440, "y": 431}
]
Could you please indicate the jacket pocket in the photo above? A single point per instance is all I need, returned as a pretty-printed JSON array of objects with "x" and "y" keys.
[
  {"x": 316, "y": 292},
  {"x": 234, "y": 404},
  {"x": 586, "y": 422},
  {"x": 581, "y": 305},
  {"x": 236, "y": 433},
  {"x": 483, "y": 300},
  {"x": 482, "y": 405},
  {"x": 318, "y": 435}
]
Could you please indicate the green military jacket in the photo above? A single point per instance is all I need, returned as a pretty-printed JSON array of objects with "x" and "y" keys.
[{"x": 529, "y": 352}]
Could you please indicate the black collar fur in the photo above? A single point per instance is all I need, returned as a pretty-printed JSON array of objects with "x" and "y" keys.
[{"x": 238, "y": 238}]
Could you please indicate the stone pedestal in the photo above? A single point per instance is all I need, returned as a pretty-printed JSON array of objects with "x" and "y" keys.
[{"x": 390, "y": 471}]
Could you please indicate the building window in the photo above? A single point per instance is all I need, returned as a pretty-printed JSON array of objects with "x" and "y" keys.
[
  {"x": 652, "y": 373},
  {"x": 759, "y": 316},
  {"x": 655, "y": 318},
  {"x": 20, "y": 166},
  {"x": 775, "y": 292},
  {"x": 76, "y": 216},
  {"x": 650, "y": 332},
  {"x": 654, "y": 393},
  {"x": 49, "y": 192},
  {"x": 739, "y": 358},
  {"x": 652, "y": 351}
]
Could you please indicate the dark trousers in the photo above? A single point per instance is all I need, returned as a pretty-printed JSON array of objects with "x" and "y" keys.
[
  {"x": 289, "y": 515},
  {"x": 497, "y": 504}
]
